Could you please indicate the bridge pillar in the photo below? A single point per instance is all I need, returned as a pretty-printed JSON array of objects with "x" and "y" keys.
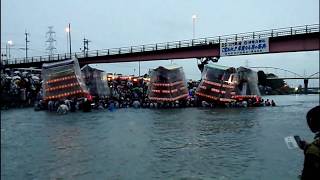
[{"x": 305, "y": 81}]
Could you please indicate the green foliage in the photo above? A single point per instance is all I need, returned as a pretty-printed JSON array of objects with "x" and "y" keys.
[
  {"x": 262, "y": 78},
  {"x": 274, "y": 84}
]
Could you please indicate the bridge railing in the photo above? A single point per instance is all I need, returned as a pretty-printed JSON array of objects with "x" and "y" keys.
[
  {"x": 33, "y": 59},
  {"x": 172, "y": 45},
  {"x": 204, "y": 41}
]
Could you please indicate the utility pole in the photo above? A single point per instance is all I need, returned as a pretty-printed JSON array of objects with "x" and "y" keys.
[
  {"x": 6, "y": 51},
  {"x": 139, "y": 68},
  {"x": 69, "y": 40},
  {"x": 4, "y": 57},
  {"x": 194, "y": 17},
  {"x": 50, "y": 35},
  {"x": 85, "y": 47},
  {"x": 68, "y": 30},
  {"x": 27, "y": 41}
]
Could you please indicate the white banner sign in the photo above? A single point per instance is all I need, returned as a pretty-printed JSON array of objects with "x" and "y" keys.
[{"x": 254, "y": 46}]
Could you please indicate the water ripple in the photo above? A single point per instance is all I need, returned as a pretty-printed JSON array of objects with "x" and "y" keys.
[{"x": 192, "y": 143}]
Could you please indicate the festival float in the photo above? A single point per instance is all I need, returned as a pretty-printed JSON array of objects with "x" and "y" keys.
[
  {"x": 222, "y": 84},
  {"x": 167, "y": 84},
  {"x": 63, "y": 80},
  {"x": 96, "y": 81}
]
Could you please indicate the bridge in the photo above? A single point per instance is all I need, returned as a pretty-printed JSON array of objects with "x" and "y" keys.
[
  {"x": 290, "y": 39},
  {"x": 292, "y": 76},
  {"x": 283, "y": 78}
]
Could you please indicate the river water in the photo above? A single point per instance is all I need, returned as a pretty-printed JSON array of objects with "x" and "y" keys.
[{"x": 191, "y": 143}]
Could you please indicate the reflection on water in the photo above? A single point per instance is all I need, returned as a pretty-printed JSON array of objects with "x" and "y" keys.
[
  {"x": 192, "y": 143},
  {"x": 205, "y": 146}
]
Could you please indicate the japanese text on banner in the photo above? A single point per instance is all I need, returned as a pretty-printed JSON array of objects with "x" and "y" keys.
[{"x": 253, "y": 46}]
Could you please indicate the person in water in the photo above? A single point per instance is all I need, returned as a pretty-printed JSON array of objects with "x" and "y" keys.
[
  {"x": 62, "y": 109},
  {"x": 267, "y": 102},
  {"x": 311, "y": 167},
  {"x": 86, "y": 105}
]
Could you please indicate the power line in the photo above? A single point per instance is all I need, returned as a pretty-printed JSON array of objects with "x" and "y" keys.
[
  {"x": 50, "y": 35},
  {"x": 85, "y": 46}
]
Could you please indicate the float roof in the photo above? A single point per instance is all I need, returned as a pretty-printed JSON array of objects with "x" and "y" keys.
[
  {"x": 216, "y": 66},
  {"x": 168, "y": 67}
]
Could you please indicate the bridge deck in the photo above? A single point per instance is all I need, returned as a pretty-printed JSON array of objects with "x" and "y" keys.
[
  {"x": 295, "y": 78},
  {"x": 299, "y": 38}
]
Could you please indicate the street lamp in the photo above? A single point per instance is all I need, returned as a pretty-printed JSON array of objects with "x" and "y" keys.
[
  {"x": 9, "y": 43},
  {"x": 68, "y": 30},
  {"x": 194, "y": 17},
  {"x": 139, "y": 68}
]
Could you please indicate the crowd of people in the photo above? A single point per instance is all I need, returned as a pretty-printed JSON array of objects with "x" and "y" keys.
[{"x": 21, "y": 88}]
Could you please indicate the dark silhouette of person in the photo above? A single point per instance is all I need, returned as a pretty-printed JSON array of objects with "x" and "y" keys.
[
  {"x": 86, "y": 105},
  {"x": 311, "y": 166}
]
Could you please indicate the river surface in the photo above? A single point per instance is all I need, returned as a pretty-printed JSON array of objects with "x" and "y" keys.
[{"x": 191, "y": 143}]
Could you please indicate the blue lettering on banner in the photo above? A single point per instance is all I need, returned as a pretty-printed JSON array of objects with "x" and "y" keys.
[{"x": 244, "y": 47}]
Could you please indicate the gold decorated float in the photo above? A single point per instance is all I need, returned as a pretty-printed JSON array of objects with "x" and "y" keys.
[{"x": 167, "y": 84}]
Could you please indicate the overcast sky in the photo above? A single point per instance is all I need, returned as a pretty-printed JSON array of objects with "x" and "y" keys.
[{"x": 118, "y": 23}]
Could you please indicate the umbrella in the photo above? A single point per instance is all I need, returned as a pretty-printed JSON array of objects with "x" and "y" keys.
[
  {"x": 136, "y": 89},
  {"x": 24, "y": 73},
  {"x": 16, "y": 77},
  {"x": 16, "y": 72},
  {"x": 35, "y": 78}
]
